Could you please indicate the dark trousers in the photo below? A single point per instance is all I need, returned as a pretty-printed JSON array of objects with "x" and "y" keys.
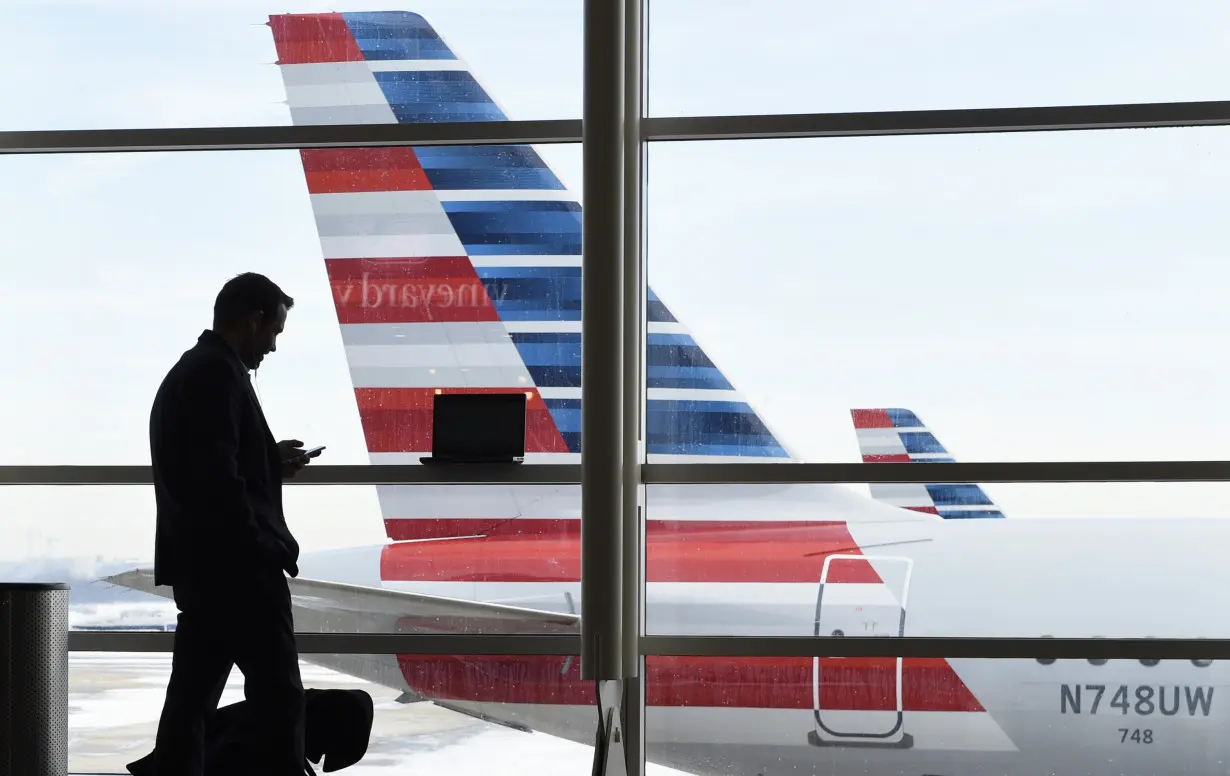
[{"x": 220, "y": 625}]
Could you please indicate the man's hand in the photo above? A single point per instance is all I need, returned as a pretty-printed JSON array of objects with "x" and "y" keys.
[{"x": 291, "y": 453}]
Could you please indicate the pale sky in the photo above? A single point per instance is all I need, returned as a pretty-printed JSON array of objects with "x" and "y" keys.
[{"x": 1051, "y": 296}]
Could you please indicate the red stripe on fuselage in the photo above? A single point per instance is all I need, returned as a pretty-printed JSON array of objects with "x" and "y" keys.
[
  {"x": 887, "y": 458},
  {"x": 847, "y": 684},
  {"x": 438, "y": 289},
  {"x": 676, "y": 551},
  {"x": 399, "y": 420},
  {"x": 418, "y": 528},
  {"x": 317, "y": 37}
]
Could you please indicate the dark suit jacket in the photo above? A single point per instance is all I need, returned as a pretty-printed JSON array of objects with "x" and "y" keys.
[{"x": 217, "y": 474}]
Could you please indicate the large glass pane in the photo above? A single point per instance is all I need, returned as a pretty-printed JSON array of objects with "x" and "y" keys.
[
  {"x": 881, "y": 716},
  {"x": 1064, "y": 560},
  {"x": 792, "y": 57},
  {"x": 115, "y": 700},
  {"x": 415, "y": 271},
  {"x": 427, "y": 559},
  {"x": 1012, "y": 297},
  {"x": 257, "y": 63}
]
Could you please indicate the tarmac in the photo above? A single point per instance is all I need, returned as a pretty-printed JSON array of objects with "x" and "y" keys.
[{"x": 115, "y": 699}]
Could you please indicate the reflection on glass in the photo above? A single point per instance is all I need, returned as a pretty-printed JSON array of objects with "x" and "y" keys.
[
  {"x": 881, "y": 716},
  {"x": 801, "y": 560},
  {"x": 115, "y": 699}
]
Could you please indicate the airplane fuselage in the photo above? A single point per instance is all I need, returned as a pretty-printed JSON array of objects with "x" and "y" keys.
[{"x": 989, "y": 578}]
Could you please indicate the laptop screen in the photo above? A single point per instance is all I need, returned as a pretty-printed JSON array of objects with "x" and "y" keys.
[{"x": 478, "y": 425}]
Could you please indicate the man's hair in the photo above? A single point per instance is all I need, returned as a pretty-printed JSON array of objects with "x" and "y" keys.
[{"x": 245, "y": 294}]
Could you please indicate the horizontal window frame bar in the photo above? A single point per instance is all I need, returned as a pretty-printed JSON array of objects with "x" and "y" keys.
[
  {"x": 270, "y": 138},
  {"x": 704, "y": 646},
  {"x": 938, "y": 122},
  {"x": 317, "y": 474},
  {"x": 653, "y": 129},
  {"x": 679, "y": 473},
  {"x": 352, "y": 643},
  {"x": 1035, "y": 472},
  {"x": 937, "y": 647}
]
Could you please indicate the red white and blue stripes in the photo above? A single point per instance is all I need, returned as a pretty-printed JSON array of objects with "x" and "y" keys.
[
  {"x": 459, "y": 269},
  {"x": 485, "y": 238},
  {"x": 898, "y": 436}
]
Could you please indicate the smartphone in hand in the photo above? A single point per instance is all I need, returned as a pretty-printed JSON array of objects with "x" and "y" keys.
[{"x": 309, "y": 453}]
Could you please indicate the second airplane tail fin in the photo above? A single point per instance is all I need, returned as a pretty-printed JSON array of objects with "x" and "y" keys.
[{"x": 898, "y": 436}]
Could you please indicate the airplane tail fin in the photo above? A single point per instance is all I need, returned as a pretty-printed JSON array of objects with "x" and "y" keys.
[
  {"x": 458, "y": 268},
  {"x": 898, "y": 436}
]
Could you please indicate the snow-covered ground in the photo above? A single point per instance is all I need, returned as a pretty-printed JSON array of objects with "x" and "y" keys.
[
  {"x": 115, "y": 698},
  {"x": 153, "y": 614}
]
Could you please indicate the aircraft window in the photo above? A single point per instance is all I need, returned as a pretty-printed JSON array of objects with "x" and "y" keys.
[
  {"x": 1149, "y": 661},
  {"x": 1046, "y": 661},
  {"x": 1145, "y": 661},
  {"x": 1101, "y": 661}
]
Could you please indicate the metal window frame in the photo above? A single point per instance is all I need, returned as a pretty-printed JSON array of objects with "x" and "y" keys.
[
  {"x": 602, "y": 343},
  {"x": 310, "y": 643},
  {"x": 316, "y": 474},
  {"x": 659, "y": 129},
  {"x": 613, "y": 132},
  {"x": 274, "y": 138},
  {"x": 1024, "y": 472},
  {"x": 989, "y": 648},
  {"x": 1002, "y": 472}
]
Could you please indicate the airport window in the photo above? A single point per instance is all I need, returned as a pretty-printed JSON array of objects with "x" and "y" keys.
[
  {"x": 370, "y": 340},
  {"x": 203, "y": 64},
  {"x": 854, "y": 728},
  {"x": 784, "y": 58},
  {"x": 986, "y": 297},
  {"x": 832, "y": 559},
  {"x": 811, "y": 299}
]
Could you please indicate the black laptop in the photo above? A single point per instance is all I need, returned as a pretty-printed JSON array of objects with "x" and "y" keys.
[{"x": 477, "y": 428}]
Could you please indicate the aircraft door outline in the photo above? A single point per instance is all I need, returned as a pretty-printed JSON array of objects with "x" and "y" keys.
[{"x": 825, "y": 734}]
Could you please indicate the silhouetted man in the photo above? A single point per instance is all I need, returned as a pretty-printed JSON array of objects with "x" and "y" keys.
[{"x": 222, "y": 541}]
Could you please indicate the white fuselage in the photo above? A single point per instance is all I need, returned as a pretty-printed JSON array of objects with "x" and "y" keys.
[{"x": 978, "y": 578}]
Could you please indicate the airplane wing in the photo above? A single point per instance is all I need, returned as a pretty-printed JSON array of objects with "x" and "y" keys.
[
  {"x": 335, "y": 607},
  {"x": 332, "y": 607}
]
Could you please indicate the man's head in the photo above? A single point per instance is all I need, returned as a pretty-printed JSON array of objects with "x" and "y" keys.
[{"x": 250, "y": 313}]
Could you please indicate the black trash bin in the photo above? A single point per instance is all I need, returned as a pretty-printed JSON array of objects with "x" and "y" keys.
[{"x": 33, "y": 679}]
